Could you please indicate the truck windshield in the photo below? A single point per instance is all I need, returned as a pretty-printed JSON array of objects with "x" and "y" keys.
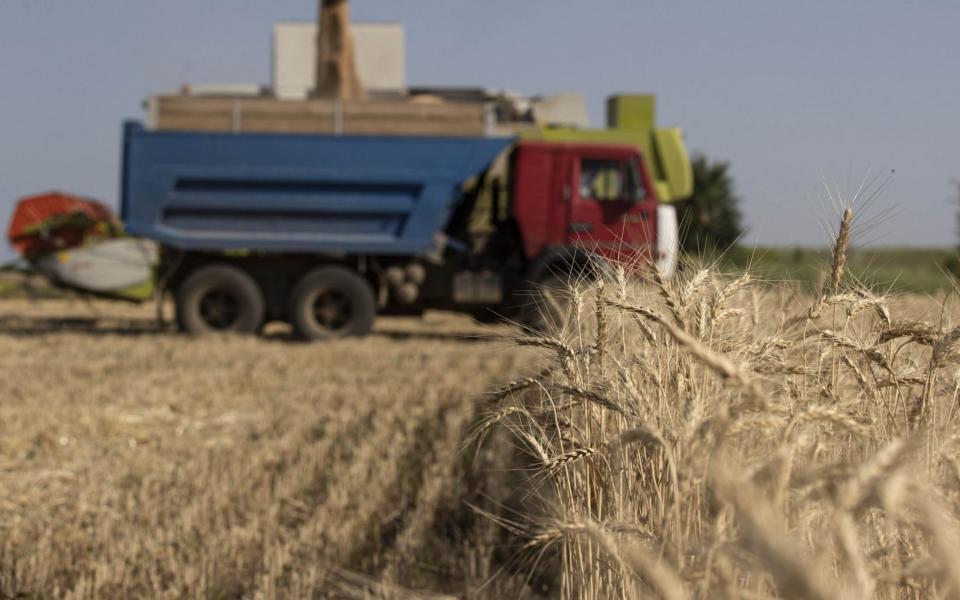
[
  {"x": 611, "y": 181},
  {"x": 635, "y": 188},
  {"x": 601, "y": 180}
]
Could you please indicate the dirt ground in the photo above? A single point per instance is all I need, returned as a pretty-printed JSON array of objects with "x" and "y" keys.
[{"x": 139, "y": 462}]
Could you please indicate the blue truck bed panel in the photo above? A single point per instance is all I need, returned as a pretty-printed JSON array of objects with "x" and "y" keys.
[{"x": 295, "y": 193}]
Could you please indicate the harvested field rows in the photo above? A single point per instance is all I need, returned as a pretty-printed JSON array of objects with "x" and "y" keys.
[{"x": 134, "y": 462}]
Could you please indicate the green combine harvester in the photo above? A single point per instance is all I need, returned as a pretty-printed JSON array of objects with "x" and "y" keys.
[{"x": 79, "y": 244}]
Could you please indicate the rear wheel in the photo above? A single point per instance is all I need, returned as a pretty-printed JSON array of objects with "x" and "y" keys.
[
  {"x": 331, "y": 303},
  {"x": 219, "y": 298},
  {"x": 489, "y": 316},
  {"x": 548, "y": 308}
]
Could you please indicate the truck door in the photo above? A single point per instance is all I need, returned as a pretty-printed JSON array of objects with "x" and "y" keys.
[{"x": 613, "y": 209}]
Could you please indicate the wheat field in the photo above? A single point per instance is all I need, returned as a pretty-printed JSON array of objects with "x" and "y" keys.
[{"x": 710, "y": 436}]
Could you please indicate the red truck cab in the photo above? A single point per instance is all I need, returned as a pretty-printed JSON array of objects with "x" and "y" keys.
[{"x": 596, "y": 198}]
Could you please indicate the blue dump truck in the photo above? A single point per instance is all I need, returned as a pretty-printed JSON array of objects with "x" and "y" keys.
[{"x": 326, "y": 232}]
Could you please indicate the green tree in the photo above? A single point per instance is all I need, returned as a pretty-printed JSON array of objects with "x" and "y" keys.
[{"x": 711, "y": 219}]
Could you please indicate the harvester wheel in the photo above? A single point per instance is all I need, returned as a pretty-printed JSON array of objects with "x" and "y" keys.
[
  {"x": 331, "y": 303},
  {"x": 219, "y": 298}
]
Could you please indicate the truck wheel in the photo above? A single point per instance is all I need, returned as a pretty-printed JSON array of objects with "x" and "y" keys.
[
  {"x": 547, "y": 309},
  {"x": 219, "y": 298},
  {"x": 488, "y": 316},
  {"x": 331, "y": 303}
]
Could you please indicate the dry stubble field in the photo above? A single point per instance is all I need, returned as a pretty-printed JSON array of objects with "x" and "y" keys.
[
  {"x": 706, "y": 437},
  {"x": 147, "y": 464}
]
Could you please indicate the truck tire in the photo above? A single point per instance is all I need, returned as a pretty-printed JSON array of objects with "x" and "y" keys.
[
  {"x": 488, "y": 316},
  {"x": 331, "y": 303},
  {"x": 219, "y": 298},
  {"x": 548, "y": 305}
]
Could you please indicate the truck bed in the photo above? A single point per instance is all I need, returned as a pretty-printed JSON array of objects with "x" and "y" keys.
[{"x": 295, "y": 193}]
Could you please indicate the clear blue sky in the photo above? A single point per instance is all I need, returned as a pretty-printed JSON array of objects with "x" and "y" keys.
[{"x": 791, "y": 93}]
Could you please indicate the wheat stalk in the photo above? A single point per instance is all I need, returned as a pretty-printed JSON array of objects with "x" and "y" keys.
[
  {"x": 840, "y": 250},
  {"x": 673, "y": 303},
  {"x": 600, "y": 315}
]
